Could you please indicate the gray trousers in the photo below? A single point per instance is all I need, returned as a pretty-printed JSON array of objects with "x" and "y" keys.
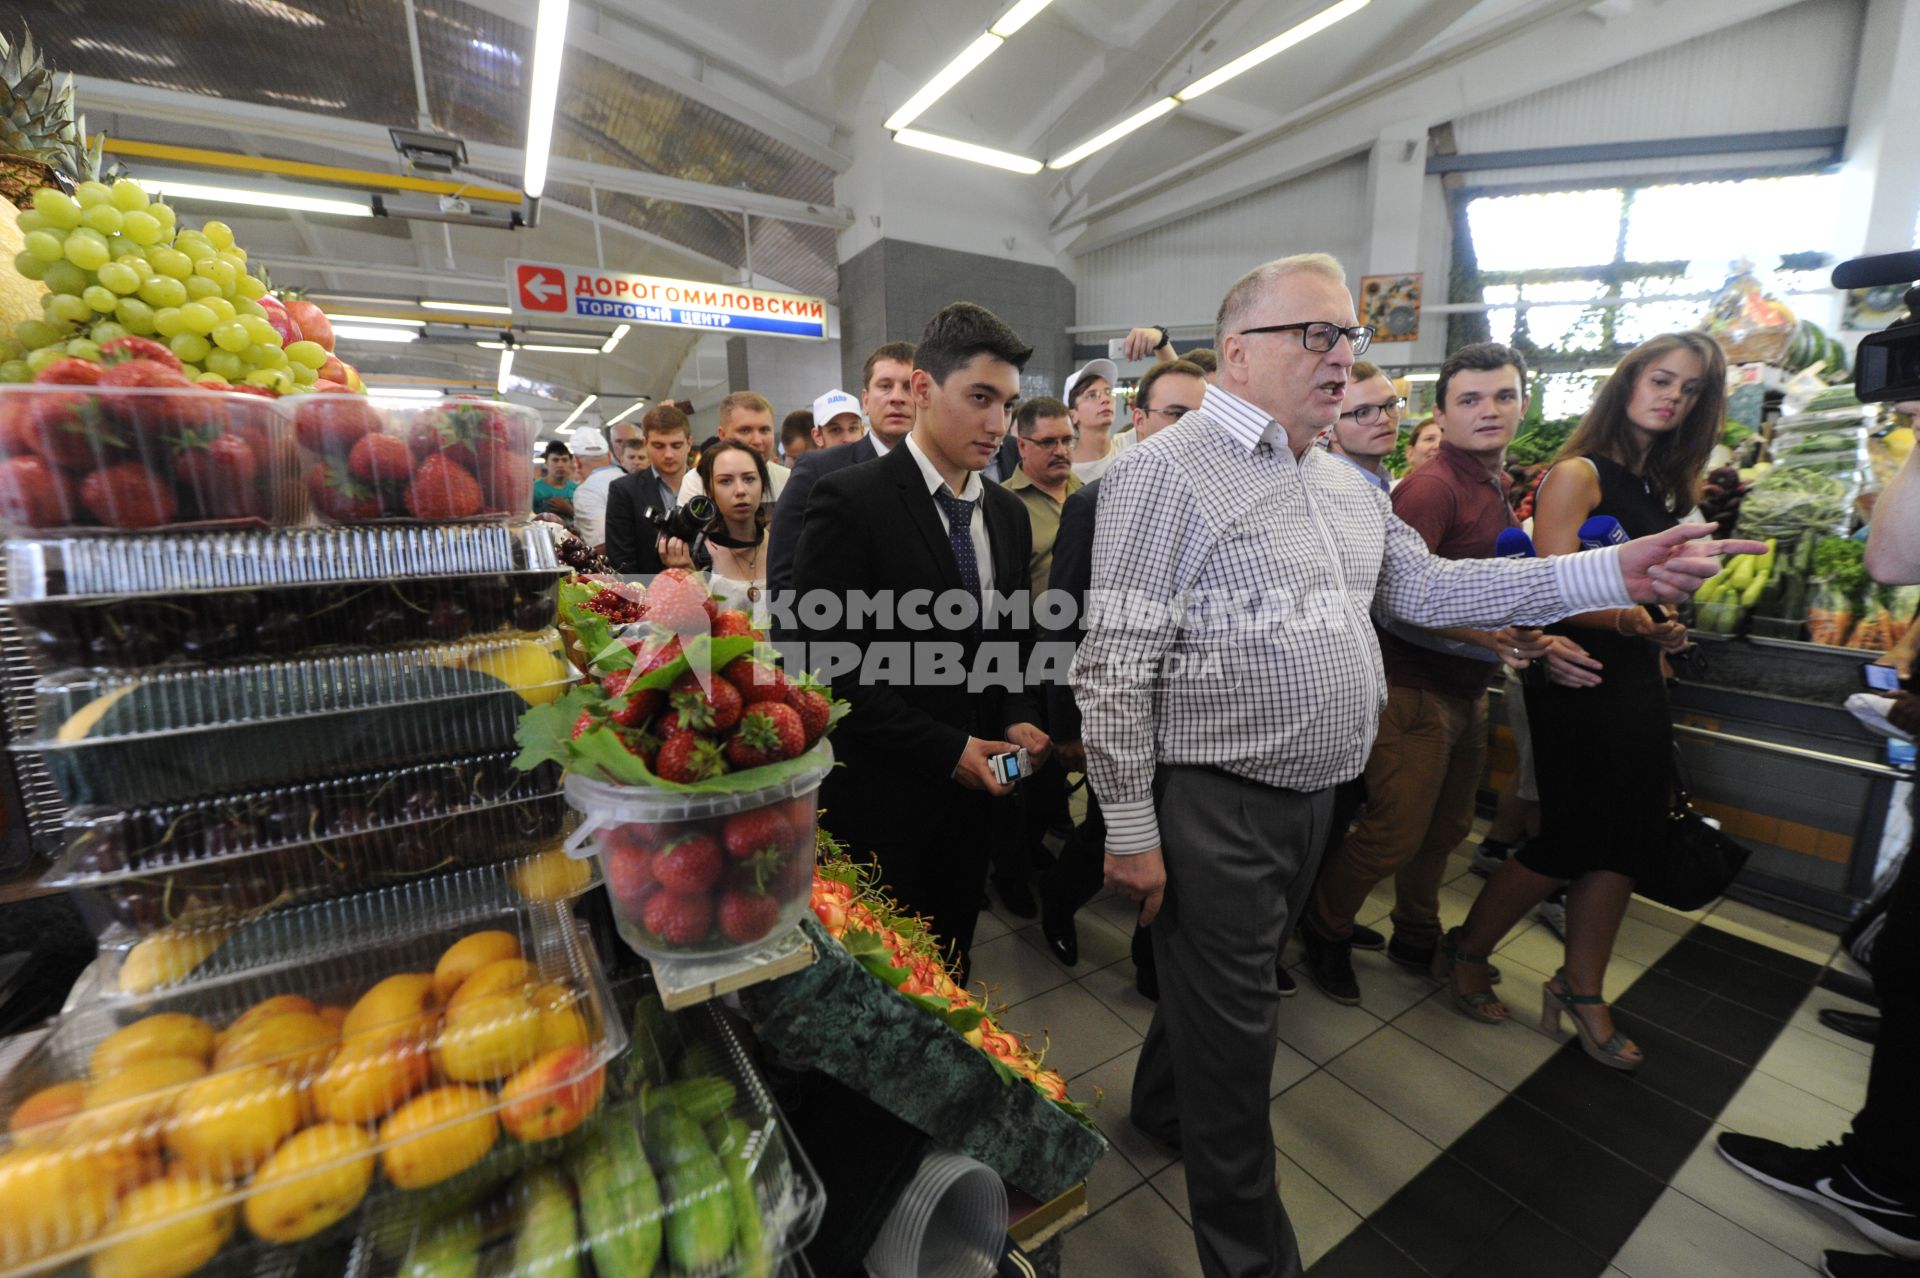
[{"x": 1240, "y": 861}]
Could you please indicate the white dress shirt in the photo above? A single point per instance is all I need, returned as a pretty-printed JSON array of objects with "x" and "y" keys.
[{"x": 975, "y": 491}]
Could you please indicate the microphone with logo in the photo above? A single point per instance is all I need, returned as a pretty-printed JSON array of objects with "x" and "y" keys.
[
  {"x": 1605, "y": 530},
  {"x": 1513, "y": 543}
]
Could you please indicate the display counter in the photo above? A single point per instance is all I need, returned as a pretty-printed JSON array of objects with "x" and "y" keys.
[{"x": 1771, "y": 751}]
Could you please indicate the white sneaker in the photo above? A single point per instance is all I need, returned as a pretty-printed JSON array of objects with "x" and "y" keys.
[{"x": 1554, "y": 914}]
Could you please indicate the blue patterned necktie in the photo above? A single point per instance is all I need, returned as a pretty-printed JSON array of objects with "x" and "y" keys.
[{"x": 960, "y": 536}]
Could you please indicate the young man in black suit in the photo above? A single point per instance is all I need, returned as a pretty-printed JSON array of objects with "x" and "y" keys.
[
  {"x": 635, "y": 500},
  {"x": 915, "y": 793},
  {"x": 886, "y": 397}
]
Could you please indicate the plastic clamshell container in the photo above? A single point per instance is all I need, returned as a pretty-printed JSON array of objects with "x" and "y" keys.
[
  {"x": 763, "y": 839},
  {"x": 448, "y": 461},
  {"x": 613, "y": 1161},
  {"x": 111, "y": 459},
  {"x": 223, "y": 858},
  {"x": 420, "y": 1088},
  {"x": 115, "y": 740},
  {"x": 136, "y": 602}
]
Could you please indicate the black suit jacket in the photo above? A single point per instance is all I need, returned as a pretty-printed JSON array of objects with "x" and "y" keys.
[
  {"x": 790, "y": 512},
  {"x": 632, "y": 501},
  {"x": 875, "y": 528},
  {"x": 1072, "y": 572}
]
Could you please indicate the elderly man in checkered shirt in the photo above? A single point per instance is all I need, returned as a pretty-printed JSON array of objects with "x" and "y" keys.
[{"x": 1230, "y": 678}]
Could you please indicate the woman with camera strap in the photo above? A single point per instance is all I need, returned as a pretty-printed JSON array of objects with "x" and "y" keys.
[{"x": 732, "y": 547}]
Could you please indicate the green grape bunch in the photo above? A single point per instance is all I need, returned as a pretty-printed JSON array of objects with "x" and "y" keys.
[{"x": 116, "y": 262}]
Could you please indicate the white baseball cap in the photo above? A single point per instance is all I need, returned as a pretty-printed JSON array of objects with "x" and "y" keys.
[
  {"x": 589, "y": 441},
  {"x": 833, "y": 404},
  {"x": 1102, "y": 368}
]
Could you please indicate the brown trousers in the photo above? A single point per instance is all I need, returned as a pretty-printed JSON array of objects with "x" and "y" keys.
[{"x": 1421, "y": 779}]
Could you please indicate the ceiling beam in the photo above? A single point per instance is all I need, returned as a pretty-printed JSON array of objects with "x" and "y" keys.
[
  {"x": 358, "y": 138},
  {"x": 662, "y": 53},
  {"x": 1546, "y": 44}
]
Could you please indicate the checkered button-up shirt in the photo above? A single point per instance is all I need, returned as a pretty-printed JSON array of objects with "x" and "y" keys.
[{"x": 1228, "y": 621}]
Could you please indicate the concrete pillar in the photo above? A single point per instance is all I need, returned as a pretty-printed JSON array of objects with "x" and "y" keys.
[
  {"x": 1881, "y": 192},
  {"x": 1396, "y": 190}
]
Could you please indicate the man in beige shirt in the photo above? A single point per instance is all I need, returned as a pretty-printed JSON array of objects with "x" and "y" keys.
[{"x": 1045, "y": 478}]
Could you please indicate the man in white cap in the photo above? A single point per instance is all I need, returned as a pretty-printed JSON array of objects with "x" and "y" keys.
[
  {"x": 1088, "y": 396},
  {"x": 590, "y": 498},
  {"x": 837, "y": 419}
]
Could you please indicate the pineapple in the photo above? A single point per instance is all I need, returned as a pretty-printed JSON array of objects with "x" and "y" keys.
[{"x": 42, "y": 143}]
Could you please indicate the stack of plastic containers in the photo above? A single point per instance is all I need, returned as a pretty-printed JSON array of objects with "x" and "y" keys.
[{"x": 270, "y": 704}]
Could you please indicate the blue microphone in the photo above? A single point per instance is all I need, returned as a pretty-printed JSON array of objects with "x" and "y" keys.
[
  {"x": 1602, "y": 530},
  {"x": 1513, "y": 543},
  {"x": 1605, "y": 530}
]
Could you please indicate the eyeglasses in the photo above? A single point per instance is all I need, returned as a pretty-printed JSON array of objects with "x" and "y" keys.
[
  {"x": 1368, "y": 414},
  {"x": 1319, "y": 335},
  {"x": 1054, "y": 444},
  {"x": 1172, "y": 412}
]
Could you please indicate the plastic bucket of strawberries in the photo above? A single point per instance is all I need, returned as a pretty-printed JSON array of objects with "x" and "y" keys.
[{"x": 695, "y": 763}]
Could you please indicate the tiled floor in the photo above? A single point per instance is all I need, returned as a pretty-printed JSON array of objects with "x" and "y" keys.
[{"x": 1404, "y": 1131}]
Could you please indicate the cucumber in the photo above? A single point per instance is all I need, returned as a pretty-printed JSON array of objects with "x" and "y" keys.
[
  {"x": 753, "y": 1258},
  {"x": 656, "y": 1042},
  {"x": 700, "y": 1199},
  {"x": 547, "y": 1243},
  {"x": 448, "y": 1248},
  {"x": 701, "y": 1099},
  {"x": 619, "y": 1200}
]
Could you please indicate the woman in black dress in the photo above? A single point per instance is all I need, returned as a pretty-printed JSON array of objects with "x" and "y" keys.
[{"x": 1602, "y": 737}]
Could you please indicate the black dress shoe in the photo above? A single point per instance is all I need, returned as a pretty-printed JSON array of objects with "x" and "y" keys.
[
  {"x": 1365, "y": 938},
  {"x": 1056, "y": 924},
  {"x": 1849, "y": 1264},
  {"x": 1017, "y": 896},
  {"x": 1330, "y": 964},
  {"x": 1853, "y": 1024},
  {"x": 1284, "y": 979}
]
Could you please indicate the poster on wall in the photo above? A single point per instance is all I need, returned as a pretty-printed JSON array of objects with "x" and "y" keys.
[{"x": 1391, "y": 305}]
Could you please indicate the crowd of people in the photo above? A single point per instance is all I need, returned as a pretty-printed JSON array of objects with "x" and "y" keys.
[{"x": 1268, "y": 657}]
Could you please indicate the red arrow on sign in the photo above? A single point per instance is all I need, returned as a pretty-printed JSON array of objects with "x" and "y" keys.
[{"x": 542, "y": 288}]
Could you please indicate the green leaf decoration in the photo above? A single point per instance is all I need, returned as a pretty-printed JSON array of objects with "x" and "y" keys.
[{"x": 544, "y": 732}]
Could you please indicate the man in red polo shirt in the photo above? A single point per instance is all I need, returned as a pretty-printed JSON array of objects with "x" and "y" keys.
[{"x": 1432, "y": 742}]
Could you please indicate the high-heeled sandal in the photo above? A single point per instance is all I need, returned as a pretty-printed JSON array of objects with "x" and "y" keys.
[
  {"x": 1476, "y": 1005},
  {"x": 1611, "y": 1053}
]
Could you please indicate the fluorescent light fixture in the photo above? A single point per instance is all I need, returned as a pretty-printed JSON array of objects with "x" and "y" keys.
[
  {"x": 549, "y": 46},
  {"x": 615, "y": 340},
  {"x": 578, "y": 409},
  {"x": 506, "y": 366},
  {"x": 172, "y": 190},
  {"x": 374, "y": 319},
  {"x": 1279, "y": 44},
  {"x": 536, "y": 346},
  {"x": 1114, "y": 134},
  {"x": 1421, "y": 377},
  {"x": 472, "y": 308},
  {"x": 1018, "y": 16},
  {"x": 967, "y": 151},
  {"x": 353, "y": 333},
  {"x": 627, "y": 412},
  {"x": 124, "y": 51},
  {"x": 951, "y": 74}
]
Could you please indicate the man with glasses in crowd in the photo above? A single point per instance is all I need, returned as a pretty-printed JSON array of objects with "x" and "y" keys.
[
  {"x": 1227, "y": 686},
  {"x": 1043, "y": 482},
  {"x": 1370, "y": 427}
]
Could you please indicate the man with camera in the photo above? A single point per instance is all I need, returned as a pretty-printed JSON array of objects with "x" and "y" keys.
[
  {"x": 639, "y": 502},
  {"x": 1870, "y": 1179},
  {"x": 921, "y": 743}
]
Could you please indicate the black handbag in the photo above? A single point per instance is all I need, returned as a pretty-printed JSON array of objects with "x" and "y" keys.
[{"x": 1699, "y": 861}]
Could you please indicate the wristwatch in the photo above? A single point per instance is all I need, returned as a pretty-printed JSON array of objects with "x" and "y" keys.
[{"x": 1165, "y": 336}]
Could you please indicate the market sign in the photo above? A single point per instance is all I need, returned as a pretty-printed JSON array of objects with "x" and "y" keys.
[{"x": 542, "y": 290}]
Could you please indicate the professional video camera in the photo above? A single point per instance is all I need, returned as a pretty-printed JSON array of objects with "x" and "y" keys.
[
  {"x": 1886, "y": 367},
  {"x": 688, "y": 522}
]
